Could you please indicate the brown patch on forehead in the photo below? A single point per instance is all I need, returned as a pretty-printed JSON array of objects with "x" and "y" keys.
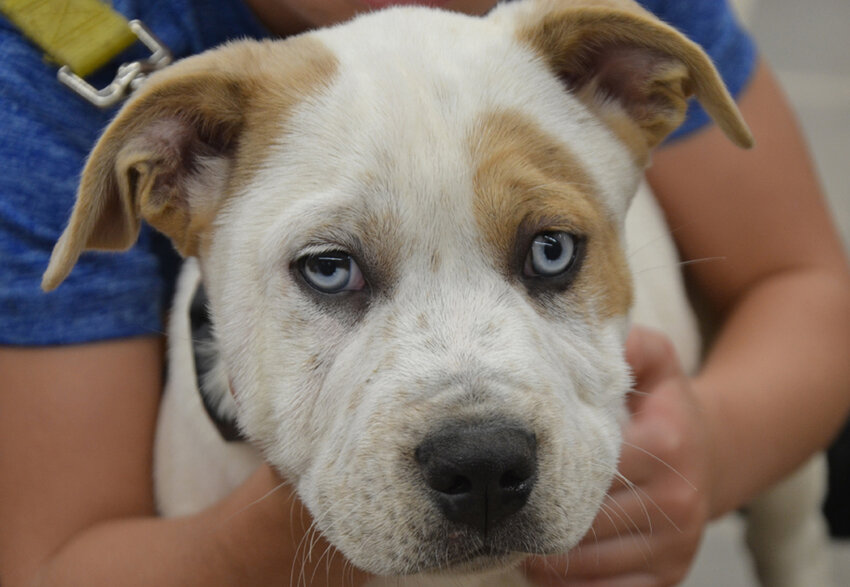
[
  {"x": 283, "y": 74},
  {"x": 526, "y": 182}
]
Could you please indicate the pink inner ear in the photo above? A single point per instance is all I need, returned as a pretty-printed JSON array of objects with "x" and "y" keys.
[
  {"x": 171, "y": 134},
  {"x": 164, "y": 151}
]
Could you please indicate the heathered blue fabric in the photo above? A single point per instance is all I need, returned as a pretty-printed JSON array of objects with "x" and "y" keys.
[
  {"x": 46, "y": 133},
  {"x": 711, "y": 24}
]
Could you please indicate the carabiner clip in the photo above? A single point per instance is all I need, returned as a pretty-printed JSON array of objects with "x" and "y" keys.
[{"x": 129, "y": 75}]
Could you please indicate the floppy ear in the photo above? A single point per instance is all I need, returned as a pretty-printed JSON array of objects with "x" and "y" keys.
[
  {"x": 631, "y": 69},
  {"x": 168, "y": 157},
  {"x": 178, "y": 130}
]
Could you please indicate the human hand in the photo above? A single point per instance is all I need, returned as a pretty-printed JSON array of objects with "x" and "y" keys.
[
  {"x": 652, "y": 520},
  {"x": 271, "y": 536}
]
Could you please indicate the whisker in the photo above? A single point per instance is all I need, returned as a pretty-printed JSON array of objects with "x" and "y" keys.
[
  {"x": 670, "y": 232},
  {"x": 329, "y": 552},
  {"x": 629, "y": 524},
  {"x": 659, "y": 508},
  {"x": 642, "y": 495},
  {"x": 679, "y": 264},
  {"x": 634, "y": 251},
  {"x": 304, "y": 557},
  {"x": 663, "y": 462},
  {"x": 646, "y": 548},
  {"x": 633, "y": 488},
  {"x": 256, "y": 501}
]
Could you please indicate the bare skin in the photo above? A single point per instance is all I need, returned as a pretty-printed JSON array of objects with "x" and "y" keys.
[
  {"x": 75, "y": 477},
  {"x": 286, "y": 17},
  {"x": 76, "y": 423},
  {"x": 773, "y": 388}
]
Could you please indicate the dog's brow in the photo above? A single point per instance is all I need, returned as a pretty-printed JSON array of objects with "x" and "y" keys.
[
  {"x": 526, "y": 179},
  {"x": 369, "y": 233}
]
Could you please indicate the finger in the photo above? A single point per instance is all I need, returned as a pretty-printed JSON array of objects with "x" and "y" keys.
[
  {"x": 610, "y": 558},
  {"x": 651, "y": 356},
  {"x": 624, "y": 512},
  {"x": 633, "y": 580}
]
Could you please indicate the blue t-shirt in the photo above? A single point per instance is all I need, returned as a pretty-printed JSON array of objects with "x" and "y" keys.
[{"x": 46, "y": 133}]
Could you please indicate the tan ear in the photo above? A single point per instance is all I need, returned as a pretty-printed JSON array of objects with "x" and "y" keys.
[
  {"x": 175, "y": 130},
  {"x": 175, "y": 149},
  {"x": 613, "y": 52}
]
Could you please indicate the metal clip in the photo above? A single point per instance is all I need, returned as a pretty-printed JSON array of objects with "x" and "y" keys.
[{"x": 129, "y": 76}]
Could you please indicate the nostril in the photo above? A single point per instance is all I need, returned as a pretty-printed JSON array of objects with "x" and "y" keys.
[
  {"x": 479, "y": 473},
  {"x": 458, "y": 486},
  {"x": 512, "y": 481}
]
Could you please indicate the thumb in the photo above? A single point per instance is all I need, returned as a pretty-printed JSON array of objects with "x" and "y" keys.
[{"x": 652, "y": 357}]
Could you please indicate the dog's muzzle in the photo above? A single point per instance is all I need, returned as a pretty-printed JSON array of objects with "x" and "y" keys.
[{"x": 479, "y": 474}]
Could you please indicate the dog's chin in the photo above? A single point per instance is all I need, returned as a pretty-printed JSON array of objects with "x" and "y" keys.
[
  {"x": 480, "y": 561},
  {"x": 475, "y": 561},
  {"x": 459, "y": 552}
]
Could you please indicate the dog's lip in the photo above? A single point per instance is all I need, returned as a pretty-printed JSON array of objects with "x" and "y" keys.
[{"x": 379, "y": 4}]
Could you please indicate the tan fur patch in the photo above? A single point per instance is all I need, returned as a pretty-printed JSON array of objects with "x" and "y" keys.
[
  {"x": 527, "y": 182},
  {"x": 233, "y": 100},
  {"x": 567, "y": 35}
]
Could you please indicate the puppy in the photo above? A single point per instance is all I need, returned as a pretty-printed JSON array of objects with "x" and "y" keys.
[{"x": 410, "y": 230}]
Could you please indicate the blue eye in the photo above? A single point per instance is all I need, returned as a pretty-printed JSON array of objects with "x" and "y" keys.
[
  {"x": 331, "y": 272},
  {"x": 551, "y": 254}
]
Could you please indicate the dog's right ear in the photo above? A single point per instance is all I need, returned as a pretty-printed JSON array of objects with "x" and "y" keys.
[
  {"x": 168, "y": 156},
  {"x": 145, "y": 163}
]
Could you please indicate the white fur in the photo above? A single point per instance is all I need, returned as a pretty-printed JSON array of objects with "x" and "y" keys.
[
  {"x": 456, "y": 340},
  {"x": 337, "y": 403}
]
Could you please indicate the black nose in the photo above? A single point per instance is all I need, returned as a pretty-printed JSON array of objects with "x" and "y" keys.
[{"x": 479, "y": 473}]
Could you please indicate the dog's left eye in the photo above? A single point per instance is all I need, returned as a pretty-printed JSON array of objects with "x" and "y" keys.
[
  {"x": 551, "y": 254},
  {"x": 331, "y": 272}
]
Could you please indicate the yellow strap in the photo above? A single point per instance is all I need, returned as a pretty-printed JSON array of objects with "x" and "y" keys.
[{"x": 82, "y": 34}]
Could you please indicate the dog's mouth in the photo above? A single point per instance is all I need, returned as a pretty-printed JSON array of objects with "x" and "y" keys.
[{"x": 460, "y": 552}]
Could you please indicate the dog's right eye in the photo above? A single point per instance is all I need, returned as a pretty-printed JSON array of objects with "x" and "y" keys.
[{"x": 331, "y": 272}]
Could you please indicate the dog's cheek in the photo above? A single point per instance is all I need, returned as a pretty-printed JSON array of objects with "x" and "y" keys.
[
  {"x": 361, "y": 493},
  {"x": 580, "y": 456},
  {"x": 300, "y": 412},
  {"x": 277, "y": 349}
]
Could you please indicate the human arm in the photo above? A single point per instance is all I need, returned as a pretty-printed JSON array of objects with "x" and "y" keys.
[
  {"x": 773, "y": 388},
  {"x": 775, "y": 380},
  {"x": 76, "y": 498}
]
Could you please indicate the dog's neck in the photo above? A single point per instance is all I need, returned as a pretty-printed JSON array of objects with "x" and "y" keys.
[{"x": 209, "y": 372}]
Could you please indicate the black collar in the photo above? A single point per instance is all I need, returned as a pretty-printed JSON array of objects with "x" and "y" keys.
[{"x": 203, "y": 336}]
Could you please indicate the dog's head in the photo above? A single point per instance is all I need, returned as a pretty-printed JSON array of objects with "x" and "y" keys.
[{"x": 409, "y": 230}]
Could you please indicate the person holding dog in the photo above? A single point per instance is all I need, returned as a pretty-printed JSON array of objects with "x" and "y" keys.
[{"x": 79, "y": 378}]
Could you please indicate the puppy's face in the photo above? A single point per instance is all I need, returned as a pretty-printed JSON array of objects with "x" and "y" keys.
[{"x": 409, "y": 229}]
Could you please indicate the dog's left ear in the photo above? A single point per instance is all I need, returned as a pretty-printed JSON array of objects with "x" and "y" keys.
[{"x": 635, "y": 72}]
